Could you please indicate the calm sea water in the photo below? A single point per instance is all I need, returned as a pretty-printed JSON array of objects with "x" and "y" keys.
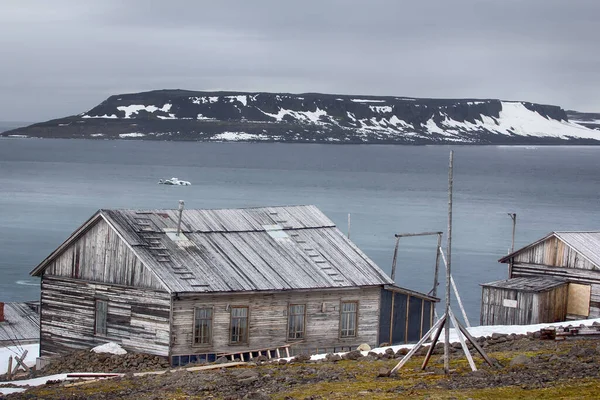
[{"x": 49, "y": 187}]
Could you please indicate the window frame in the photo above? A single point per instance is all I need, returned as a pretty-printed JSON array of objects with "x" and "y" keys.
[
  {"x": 245, "y": 339},
  {"x": 211, "y": 326},
  {"x": 341, "y": 321},
  {"x": 289, "y": 315},
  {"x": 96, "y": 317}
]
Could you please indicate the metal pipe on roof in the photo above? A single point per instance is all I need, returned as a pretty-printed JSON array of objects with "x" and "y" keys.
[{"x": 181, "y": 203}]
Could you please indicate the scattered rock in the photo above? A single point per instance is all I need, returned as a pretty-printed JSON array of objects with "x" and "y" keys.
[
  {"x": 521, "y": 359},
  {"x": 383, "y": 372},
  {"x": 301, "y": 358},
  {"x": 353, "y": 355}
]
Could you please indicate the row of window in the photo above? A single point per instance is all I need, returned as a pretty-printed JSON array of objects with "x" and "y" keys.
[
  {"x": 296, "y": 324},
  {"x": 238, "y": 322}
]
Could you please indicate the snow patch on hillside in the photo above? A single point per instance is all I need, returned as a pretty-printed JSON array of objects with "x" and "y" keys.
[
  {"x": 112, "y": 116},
  {"x": 136, "y": 108},
  {"x": 241, "y": 99},
  {"x": 204, "y": 100},
  {"x": 132, "y": 135},
  {"x": 238, "y": 136},
  {"x": 305, "y": 116}
]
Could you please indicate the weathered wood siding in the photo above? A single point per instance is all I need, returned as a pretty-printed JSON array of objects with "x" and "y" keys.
[
  {"x": 590, "y": 277},
  {"x": 100, "y": 255},
  {"x": 532, "y": 307},
  {"x": 554, "y": 252},
  {"x": 268, "y": 320},
  {"x": 138, "y": 319}
]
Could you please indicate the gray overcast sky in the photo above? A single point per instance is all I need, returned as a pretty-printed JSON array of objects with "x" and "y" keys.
[{"x": 62, "y": 57}]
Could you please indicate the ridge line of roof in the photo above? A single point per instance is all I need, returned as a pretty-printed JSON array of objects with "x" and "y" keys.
[{"x": 209, "y": 209}]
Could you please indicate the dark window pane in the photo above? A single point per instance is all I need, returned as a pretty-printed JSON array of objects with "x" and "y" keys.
[
  {"x": 348, "y": 319},
  {"x": 101, "y": 311},
  {"x": 296, "y": 321},
  {"x": 202, "y": 325}
]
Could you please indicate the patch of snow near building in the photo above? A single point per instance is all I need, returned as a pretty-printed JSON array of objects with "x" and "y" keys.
[
  {"x": 242, "y": 99},
  {"x": 312, "y": 116},
  {"x": 132, "y": 134},
  {"x": 381, "y": 109},
  {"x": 110, "y": 347},
  {"x": 238, "y": 136},
  {"x": 367, "y": 101},
  {"x": 112, "y": 116},
  {"x": 136, "y": 108},
  {"x": 97, "y": 134},
  {"x": 5, "y": 352}
]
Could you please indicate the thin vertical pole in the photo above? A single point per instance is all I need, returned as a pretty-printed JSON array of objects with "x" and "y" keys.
[
  {"x": 448, "y": 265},
  {"x": 437, "y": 266},
  {"x": 179, "y": 215},
  {"x": 394, "y": 260},
  {"x": 513, "y": 216},
  {"x": 348, "y": 225}
]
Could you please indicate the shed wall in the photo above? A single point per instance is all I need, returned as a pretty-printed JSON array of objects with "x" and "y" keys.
[
  {"x": 136, "y": 319},
  {"x": 268, "y": 320},
  {"x": 589, "y": 277},
  {"x": 100, "y": 255},
  {"x": 531, "y": 307}
]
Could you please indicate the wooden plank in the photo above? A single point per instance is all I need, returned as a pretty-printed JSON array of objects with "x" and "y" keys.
[{"x": 579, "y": 299}]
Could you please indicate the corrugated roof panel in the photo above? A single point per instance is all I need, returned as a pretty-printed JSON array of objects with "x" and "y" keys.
[
  {"x": 21, "y": 323},
  {"x": 231, "y": 250}
]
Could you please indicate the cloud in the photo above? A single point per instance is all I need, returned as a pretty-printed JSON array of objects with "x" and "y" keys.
[{"x": 63, "y": 57}]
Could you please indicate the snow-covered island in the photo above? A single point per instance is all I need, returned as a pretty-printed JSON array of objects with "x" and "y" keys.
[{"x": 320, "y": 118}]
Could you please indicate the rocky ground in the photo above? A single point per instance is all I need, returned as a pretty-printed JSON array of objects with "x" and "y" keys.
[{"x": 526, "y": 367}]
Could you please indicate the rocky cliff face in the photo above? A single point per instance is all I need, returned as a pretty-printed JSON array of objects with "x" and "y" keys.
[{"x": 321, "y": 118}]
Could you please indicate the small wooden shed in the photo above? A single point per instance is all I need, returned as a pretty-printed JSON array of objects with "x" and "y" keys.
[
  {"x": 196, "y": 284},
  {"x": 524, "y": 301},
  {"x": 571, "y": 257}
]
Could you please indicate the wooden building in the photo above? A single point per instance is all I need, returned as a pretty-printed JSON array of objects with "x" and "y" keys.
[
  {"x": 560, "y": 257},
  {"x": 19, "y": 323},
  {"x": 524, "y": 301},
  {"x": 196, "y": 284}
]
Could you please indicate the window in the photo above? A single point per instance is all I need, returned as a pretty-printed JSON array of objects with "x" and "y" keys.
[
  {"x": 239, "y": 325},
  {"x": 101, "y": 311},
  {"x": 296, "y": 320},
  {"x": 348, "y": 314},
  {"x": 202, "y": 325}
]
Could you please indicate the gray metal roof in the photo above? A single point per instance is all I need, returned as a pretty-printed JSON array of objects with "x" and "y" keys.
[
  {"x": 270, "y": 248},
  {"x": 527, "y": 283},
  {"x": 586, "y": 243},
  {"x": 21, "y": 323}
]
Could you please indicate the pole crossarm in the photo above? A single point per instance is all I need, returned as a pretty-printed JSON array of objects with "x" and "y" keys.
[{"x": 398, "y": 235}]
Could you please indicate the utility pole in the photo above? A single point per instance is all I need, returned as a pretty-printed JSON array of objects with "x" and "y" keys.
[
  {"x": 512, "y": 216},
  {"x": 448, "y": 269}
]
